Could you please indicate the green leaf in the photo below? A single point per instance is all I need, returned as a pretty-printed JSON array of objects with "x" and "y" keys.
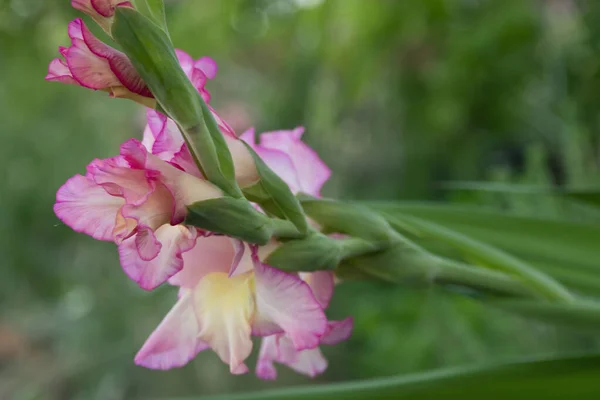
[
  {"x": 564, "y": 244},
  {"x": 275, "y": 195},
  {"x": 583, "y": 314},
  {"x": 589, "y": 195},
  {"x": 486, "y": 255},
  {"x": 232, "y": 217},
  {"x": 153, "y": 56},
  {"x": 568, "y": 377}
]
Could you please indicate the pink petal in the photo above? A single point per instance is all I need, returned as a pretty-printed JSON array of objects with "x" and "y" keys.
[
  {"x": 249, "y": 137},
  {"x": 337, "y": 331},
  {"x": 287, "y": 301},
  {"x": 208, "y": 66},
  {"x": 282, "y": 165},
  {"x": 155, "y": 211},
  {"x": 87, "y": 207},
  {"x": 211, "y": 254},
  {"x": 106, "y": 8},
  {"x": 119, "y": 64},
  {"x": 186, "y": 61},
  {"x": 280, "y": 349},
  {"x": 175, "y": 341},
  {"x": 88, "y": 69},
  {"x": 321, "y": 283},
  {"x": 268, "y": 353},
  {"x": 312, "y": 171},
  {"x": 184, "y": 161},
  {"x": 185, "y": 188},
  {"x": 174, "y": 242},
  {"x": 119, "y": 179},
  {"x": 59, "y": 72}
]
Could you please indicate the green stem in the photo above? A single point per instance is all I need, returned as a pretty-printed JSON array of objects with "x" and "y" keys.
[
  {"x": 448, "y": 271},
  {"x": 491, "y": 256}
]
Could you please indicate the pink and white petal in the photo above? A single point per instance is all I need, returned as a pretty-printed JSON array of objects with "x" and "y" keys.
[
  {"x": 243, "y": 162},
  {"x": 59, "y": 72},
  {"x": 309, "y": 362},
  {"x": 280, "y": 349},
  {"x": 199, "y": 81},
  {"x": 155, "y": 211},
  {"x": 211, "y": 254},
  {"x": 106, "y": 8},
  {"x": 338, "y": 331},
  {"x": 208, "y": 66},
  {"x": 184, "y": 161},
  {"x": 88, "y": 69},
  {"x": 267, "y": 355},
  {"x": 118, "y": 62},
  {"x": 175, "y": 341},
  {"x": 223, "y": 126},
  {"x": 147, "y": 244},
  {"x": 186, "y": 61},
  {"x": 287, "y": 301},
  {"x": 249, "y": 136},
  {"x": 168, "y": 141},
  {"x": 174, "y": 240},
  {"x": 321, "y": 283},
  {"x": 118, "y": 179},
  {"x": 312, "y": 172},
  {"x": 281, "y": 164},
  {"x": 224, "y": 307},
  {"x": 87, "y": 208}
]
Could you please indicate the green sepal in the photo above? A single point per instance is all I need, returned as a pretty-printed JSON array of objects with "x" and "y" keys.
[
  {"x": 153, "y": 56},
  {"x": 313, "y": 253},
  {"x": 232, "y": 217},
  {"x": 274, "y": 195},
  {"x": 353, "y": 220}
]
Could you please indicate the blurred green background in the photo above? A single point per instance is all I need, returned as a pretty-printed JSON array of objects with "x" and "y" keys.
[{"x": 397, "y": 96}]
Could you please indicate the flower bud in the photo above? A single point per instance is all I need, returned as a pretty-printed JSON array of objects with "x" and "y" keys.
[
  {"x": 313, "y": 253},
  {"x": 231, "y": 217},
  {"x": 102, "y": 11}
]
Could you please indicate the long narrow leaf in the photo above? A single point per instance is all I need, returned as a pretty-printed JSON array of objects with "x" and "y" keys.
[{"x": 572, "y": 377}]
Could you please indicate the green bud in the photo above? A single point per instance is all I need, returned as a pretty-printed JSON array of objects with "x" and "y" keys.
[
  {"x": 353, "y": 220},
  {"x": 274, "y": 195},
  {"x": 153, "y": 56},
  {"x": 313, "y": 253},
  {"x": 231, "y": 217}
]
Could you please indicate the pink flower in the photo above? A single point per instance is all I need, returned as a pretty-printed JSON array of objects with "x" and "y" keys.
[
  {"x": 279, "y": 347},
  {"x": 292, "y": 159},
  {"x": 226, "y": 295},
  {"x": 102, "y": 11},
  {"x": 90, "y": 63},
  {"x": 138, "y": 201}
]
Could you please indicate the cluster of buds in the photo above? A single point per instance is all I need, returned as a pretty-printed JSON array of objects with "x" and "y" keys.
[{"x": 177, "y": 205}]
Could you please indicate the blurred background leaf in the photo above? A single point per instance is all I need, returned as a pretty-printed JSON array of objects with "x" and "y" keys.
[{"x": 396, "y": 95}]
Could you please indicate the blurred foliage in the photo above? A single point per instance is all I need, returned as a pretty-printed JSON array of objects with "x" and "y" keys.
[{"x": 396, "y": 95}]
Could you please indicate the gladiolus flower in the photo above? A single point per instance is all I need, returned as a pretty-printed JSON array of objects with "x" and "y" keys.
[
  {"x": 279, "y": 347},
  {"x": 102, "y": 11},
  {"x": 90, "y": 63},
  {"x": 226, "y": 295},
  {"x": 138, "y": 201}
]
